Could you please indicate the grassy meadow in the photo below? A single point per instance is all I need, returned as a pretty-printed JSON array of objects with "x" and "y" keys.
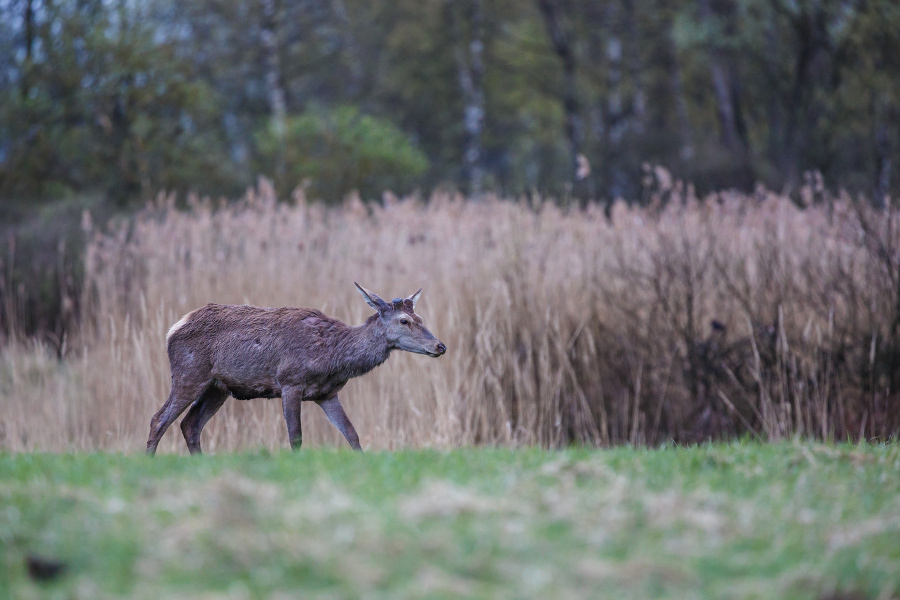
[{"x": 737, "y": 520}]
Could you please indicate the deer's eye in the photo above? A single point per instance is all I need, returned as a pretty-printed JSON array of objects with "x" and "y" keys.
[{"x": 404, "y": 321}]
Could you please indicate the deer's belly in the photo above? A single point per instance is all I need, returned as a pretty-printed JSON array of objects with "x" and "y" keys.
[
  {"x": 323, "y": 389},
  {"x": 248, "y": 393}
]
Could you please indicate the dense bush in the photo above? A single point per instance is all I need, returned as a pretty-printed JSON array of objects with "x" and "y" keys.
[{"x": 334, "y": 152}]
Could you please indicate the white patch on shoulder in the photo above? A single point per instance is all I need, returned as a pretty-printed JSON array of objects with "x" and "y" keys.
[{"x": 178, "y": 325}]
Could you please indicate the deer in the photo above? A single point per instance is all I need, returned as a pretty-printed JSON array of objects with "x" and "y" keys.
[{"x": 297, "y": 354}]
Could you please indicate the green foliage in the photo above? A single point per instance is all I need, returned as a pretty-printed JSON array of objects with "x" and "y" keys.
[
  {"x": 127, "y": 99},
  {"x": 108, "y": 106},
  {"x": 735, "y": 521},
  {"x": 334, "y": 152}
]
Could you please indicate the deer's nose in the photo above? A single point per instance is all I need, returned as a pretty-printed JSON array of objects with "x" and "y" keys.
[{"x": 440, "y": 348}]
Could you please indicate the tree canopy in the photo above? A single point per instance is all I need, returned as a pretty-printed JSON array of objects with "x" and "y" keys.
[{"x": 557, "y": 97}]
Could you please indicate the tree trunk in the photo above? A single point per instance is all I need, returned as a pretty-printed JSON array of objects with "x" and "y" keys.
[
  {"x": 24, "y": 84},
  {"x": 814, "y": 46},
  {"x": 355, "y": 63},
  {"x": 274, "y": 89},
  {"x": 793, "y": 134},
  {"x": 731, "y": 129},
  {"x": 470, "y": 71},
  {"x": 615, "y": 120},
  {"x": 884, "y": 151},
  {"x": 558, "y": 26},
  {"x": 676, "y": 80},
  {"x": 638, "y": 117}
]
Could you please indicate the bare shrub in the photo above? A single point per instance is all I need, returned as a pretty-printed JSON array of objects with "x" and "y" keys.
[{"x": 690, "y": 319}]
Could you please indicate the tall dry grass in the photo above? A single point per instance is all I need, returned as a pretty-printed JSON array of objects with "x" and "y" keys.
[{"x": 686, "y": 320}]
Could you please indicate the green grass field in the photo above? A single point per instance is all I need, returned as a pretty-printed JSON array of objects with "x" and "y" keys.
[{"x": 723, "y": 521}]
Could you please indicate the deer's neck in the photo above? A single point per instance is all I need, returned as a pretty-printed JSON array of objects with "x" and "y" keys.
[{"x": 363, "y": 348}]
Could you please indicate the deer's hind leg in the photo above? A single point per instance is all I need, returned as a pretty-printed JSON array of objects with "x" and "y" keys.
[
  {"x": 183, "y": 394},
  {"x": 201, "y": 412}
]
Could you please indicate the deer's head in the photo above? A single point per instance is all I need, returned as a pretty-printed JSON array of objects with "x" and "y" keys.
[{"x": 403, "y": 327}]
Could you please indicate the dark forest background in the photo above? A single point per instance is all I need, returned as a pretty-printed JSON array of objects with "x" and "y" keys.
[
  {"x": 126, "y": 98},
  {"x": 104, "y": 103}
]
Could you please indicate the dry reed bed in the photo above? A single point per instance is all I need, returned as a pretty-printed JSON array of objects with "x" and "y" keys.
[{"x": 700, "y": 320}]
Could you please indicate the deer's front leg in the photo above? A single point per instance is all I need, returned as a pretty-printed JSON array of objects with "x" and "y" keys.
[
  {"x": 290, "y": 404},
  {"x": 338, "y": 418}
]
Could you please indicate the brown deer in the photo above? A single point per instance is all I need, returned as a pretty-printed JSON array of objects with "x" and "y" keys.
[{"x": 298, "y": 354}]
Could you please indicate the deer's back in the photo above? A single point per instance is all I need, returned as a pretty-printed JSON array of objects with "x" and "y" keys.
[{"x": 250, "y": 346}]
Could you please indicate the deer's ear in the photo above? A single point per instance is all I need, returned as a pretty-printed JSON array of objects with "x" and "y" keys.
[
  {"x": 415, "y": 297},
  {"x": 372, "y": 298}
]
